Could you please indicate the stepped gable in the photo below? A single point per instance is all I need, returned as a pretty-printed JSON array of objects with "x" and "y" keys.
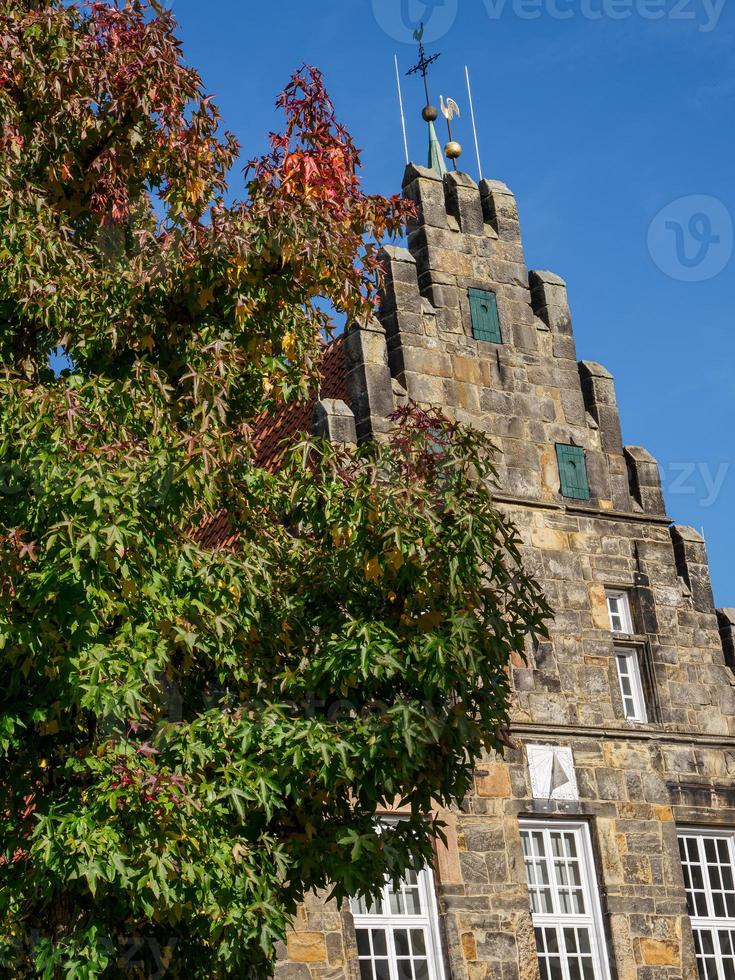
[{"x": 622, "y": 778}]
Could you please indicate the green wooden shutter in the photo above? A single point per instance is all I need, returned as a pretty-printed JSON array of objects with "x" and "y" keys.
[
  {"x": 573, "y": 472},
  {"x": 485, "y": 319}
]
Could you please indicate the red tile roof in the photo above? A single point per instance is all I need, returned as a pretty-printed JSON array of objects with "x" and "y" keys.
[{"x": 273, "y": 431}]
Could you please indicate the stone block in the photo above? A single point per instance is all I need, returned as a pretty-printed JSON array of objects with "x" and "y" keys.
[
  {"x": 462, "y": 197},
  {"x": 425, "y": 188},
  {"x": 369, "y": 382},
  {"x": 496, "y": 783},
  {"x": 726, "y": 623},
  {"x": 598, "y": 391},
  {"x": 334, "y": 420},
  {"x": 432, "y": 362},
  {"x": 500, "y": 210},
  {"x": 645, "y": 480},
  {"x": 307, "y": 947},
  {"x": 691, "y": 560},
  {"x": 469, "y": 946},
  {"x": 660, "y": 952},
  {"x": 549, "y": 301}
]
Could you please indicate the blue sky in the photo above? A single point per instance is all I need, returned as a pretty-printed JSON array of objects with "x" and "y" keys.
[{"x": 612, "y": 122}]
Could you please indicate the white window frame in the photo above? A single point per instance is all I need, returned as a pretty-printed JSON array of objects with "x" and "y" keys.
[
  {"x": 388, "y": 922},
  {"x": 715, "y": 925},
  {"x": 628, "y": 664},
  {"x": 624, "y": 614},
  {"x": 592, "y": 918}
]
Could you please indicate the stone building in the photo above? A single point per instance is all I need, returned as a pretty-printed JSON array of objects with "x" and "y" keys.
[{"x": 602, "y": 847}]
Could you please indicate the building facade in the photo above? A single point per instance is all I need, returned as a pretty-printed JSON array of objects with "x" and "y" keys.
[{"x": 601, "y": 847}]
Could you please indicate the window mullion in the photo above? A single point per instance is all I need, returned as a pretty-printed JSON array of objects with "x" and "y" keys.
[
  {"x": 718, "y": 954},
  {"x": 551, "y": 872},
  {"x": 705, "y": 877},
  {"x": 562, "y": 944},
  {"x": 392, "y": 958}
]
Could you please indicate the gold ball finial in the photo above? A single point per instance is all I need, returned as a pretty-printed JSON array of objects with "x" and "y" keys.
[
  {"x": 430, "y": 113},
  {"x": 453, "y": 150}
]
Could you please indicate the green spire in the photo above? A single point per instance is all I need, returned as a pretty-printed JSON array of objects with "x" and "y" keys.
[{"x": 436, "y": 156}]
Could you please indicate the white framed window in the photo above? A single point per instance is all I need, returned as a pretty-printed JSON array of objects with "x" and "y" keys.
[
  {"x": 708, "y": 862},
  {"x": 565, "y": 903},
  {"x": 398, "y": 935},
  {"x": 631, "y": 684},
  {"x": 618, "y": 607}
]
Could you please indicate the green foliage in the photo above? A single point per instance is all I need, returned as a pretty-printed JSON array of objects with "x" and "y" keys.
[{"x": 192, "y": 737}]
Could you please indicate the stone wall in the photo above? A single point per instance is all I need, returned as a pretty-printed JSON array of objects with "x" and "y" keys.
[{"x": 635, "y": 782}]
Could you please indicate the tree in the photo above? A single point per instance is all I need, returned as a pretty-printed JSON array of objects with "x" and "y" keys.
[{"x": 190, "y": 738}]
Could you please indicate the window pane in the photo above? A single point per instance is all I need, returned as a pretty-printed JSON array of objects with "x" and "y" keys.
[
  {"x": 397, "y": 952},
  {"x": 555, "y": 970},
  {"x": 397, "y": 903},
  {"x": 413, "y": 902},
  {"x": 616, "y": 618},
  {"x": 564, "y": 946},
  {"x": 362, "y": 907},
  {"x": 727, "y": 950},
  {"x": 541, "y": 903},
  {"x": 709, "y": 882},
  {"x": 697, "y": 877}
]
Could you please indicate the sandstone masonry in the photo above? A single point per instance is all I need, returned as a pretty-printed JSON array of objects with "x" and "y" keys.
[{"x": 637, "y": 783}]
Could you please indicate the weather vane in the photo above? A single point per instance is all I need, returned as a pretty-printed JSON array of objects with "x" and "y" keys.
[
  {"x": 453, "y": 149},
  {"x": 423, "y": 66},
  {"x": 430, "y": 113}
]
